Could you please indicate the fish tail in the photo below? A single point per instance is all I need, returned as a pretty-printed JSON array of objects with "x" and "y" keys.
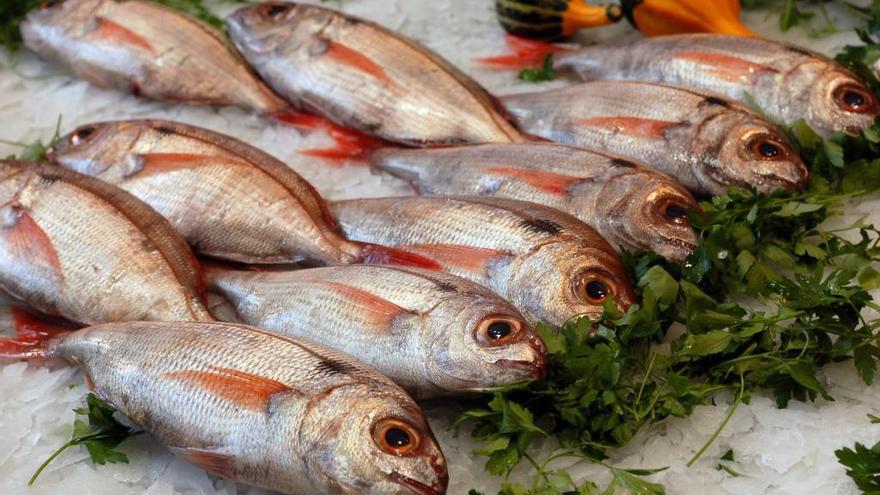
[
  {"x": 527, "y": 53},
  {"x": 375, "y": 254},
  {"x": 350, "y": 144},
  {"x": 33, "y": 335}
]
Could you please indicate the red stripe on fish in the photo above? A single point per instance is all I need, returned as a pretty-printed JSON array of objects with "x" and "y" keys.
[
  {"x": 726, "y": 66},
  {"x": 373, "y": 307},
  {"x": 108, "y": 30},
  {"x": 213, "y": 461},
  {"x": 27, "y": 241},
  {"x": 471, "y": 259},
  {"x": 374, "y": 254},
  {"x": 243, "y": 389},
  {"x": 550, "y": 182},
  {"x": 352, "y": 58},
  {"x": 631, "y": 126}
]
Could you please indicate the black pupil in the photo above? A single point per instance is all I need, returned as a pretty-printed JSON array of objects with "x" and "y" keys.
[
  {"x": 676, "y": 211},
  {"x": 768, "y": 150},
  {"x": 499, "y": 330},
  {"x": 276, "y": 9},
  {"x": 397, "y": 438},
  {"x": 84, "y": 133},
  {"x": 853, "y": 99},
  {"x": 597, "y": 290}
]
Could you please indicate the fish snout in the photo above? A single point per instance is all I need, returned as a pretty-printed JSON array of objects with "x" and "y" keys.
[{"x": 438, "y": 487}]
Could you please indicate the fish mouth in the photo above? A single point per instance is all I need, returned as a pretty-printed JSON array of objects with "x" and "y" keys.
[
  {"x": 796, "y": 185},
  {"x": 536, "y": 368},
  {"x": 414, "y": 486}
]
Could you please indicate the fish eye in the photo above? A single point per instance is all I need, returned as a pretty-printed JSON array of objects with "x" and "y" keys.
[
  {"x": 854, "y": 98},
  {"x": 274, "y": 9},
  {"x": 768, "y": 148},
  {"x": 498, "y": 330},
  {"x": 593, "y": 289},
  {"x": 82, "y": 135},
  {"x": 676, "y": 211},
  {"x": 396, "y": 437},
  {"x": 672, "y": 210}
]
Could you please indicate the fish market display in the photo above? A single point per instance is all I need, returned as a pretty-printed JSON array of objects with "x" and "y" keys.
[
  {"x": 787, "y": 82},
  {"x": 432, "y": 333},
  {"x": 628, "y": 204},
  {"x": 258, "y": 407},
  {"x": 550, "y": 265},
  {"x": 75, "y": 247},
  {"x": 365, "y": 77},
  {"x": 228, "y": 199},
  {"x": 706, "y": 142},
  {"x": 147, "y": 49}
]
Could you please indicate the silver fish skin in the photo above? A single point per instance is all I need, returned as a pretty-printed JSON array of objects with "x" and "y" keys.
[
  {"x": 707, "y": 142},
  {"x": 432, "y": 333},
  {"x": 548, "y": 264},
  {"x": 787, "y": 82},
  {"x": 260, "y": 408},
  {"x": 629, "y": 204},
  {"x": 75, "y": 247},
  {"x": 365, "y": 77},
  {"x": 147, "y": 49},
  {"x": 228, "y": 199}
]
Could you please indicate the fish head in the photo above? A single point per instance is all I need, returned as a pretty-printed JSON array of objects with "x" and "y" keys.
[
  {"x": 567, "y": 278},
  {"x": 372, "y": 438},
  {"x": 841, "y": 101},
  {"x": 266, "y": 27},
  {"x": 92, "y": 149},
  {"x": 482, "y": 342},
  {"x": 650, "y": 210},
  {"x": 740, "y": 148},
  {"x": 49, "y": 24}
]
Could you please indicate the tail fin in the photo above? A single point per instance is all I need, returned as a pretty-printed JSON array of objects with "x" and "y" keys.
[
  {"x": 350, "y": 144},
  {"x": 33, "y": 335},
  {"x": 375, "y": 254},
  {"x": 527, "y": 53}
]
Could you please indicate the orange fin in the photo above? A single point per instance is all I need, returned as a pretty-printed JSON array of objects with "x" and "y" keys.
[
  {"x": 155, "y": 163},
  {"x": 632, "y": 126},
  {"x": 352, "y": 58},
  {"x": 246, "y": 390},
  {"x": 726, "y": 66},
  {"x": 550, "y": 182},
  {"x": 527, "y": 53},
  {"x": 350, "y": 144},
  {"x": 212, "y": 461},
  {"x": 33, "y": 336},
  {"x": 372, "y": 307},
  {"x": 28, "y": 325},
  {"x": 471, "y": 259},
  {"x": 27, "y": 241},
  {"x": 108, "y": 30},
  {"x": 374, "y": 254}
]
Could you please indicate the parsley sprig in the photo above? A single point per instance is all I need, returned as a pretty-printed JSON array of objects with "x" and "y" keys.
[
  {"x": 863, "y": 466},
  {"x": 101, "y": 435}
]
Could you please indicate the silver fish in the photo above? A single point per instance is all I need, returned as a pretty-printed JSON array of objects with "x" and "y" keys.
[
  {"x": 365, "y": 77},
  {"x": 257, "y": 407},
  {"x": 787, "y": 82},
  {"x": 229, "y": 200},
  {"x": 75, "y": 247},
  {"x": 147, "y": 49},
  {"x": 550, "y": 265},
  {"x": 629, "y": 204},
  {"x": 707, "y": 142},
  {"x": 432, "y": 333}
]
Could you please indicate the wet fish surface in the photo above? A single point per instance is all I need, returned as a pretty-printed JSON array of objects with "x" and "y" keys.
[
  {"x": 708, "y": 143},
  {"x": 432, "y": 333},
  {"x": 365, "y": 77},
  {"x": 629, "y": 204},
  {"x": 257, "y": 407},
  {"x": 228, "y": 199},
  {"x": 75, "y": 247},
  {"x": 147, "y": 49},
  {"x": 785, "y": 81},
  {"x": 548, "y": 264}
]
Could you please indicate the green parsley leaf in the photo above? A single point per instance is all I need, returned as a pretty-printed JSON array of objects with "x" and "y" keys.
[
  {"x": 545, "y": 73},
  {"x": 862, "y": 465}
]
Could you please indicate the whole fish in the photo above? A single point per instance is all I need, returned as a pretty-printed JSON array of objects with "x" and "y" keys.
[
  {"x": 365, "y": 77},
  {"x": 146, "y": 49},
  {"x": 75, "y": 247},
  {"x": 707, "y": 142},
  {"x": 229, "y": 200},
  {"x": 630, "y": 205},
  {"x": 548, "y": 264},
  {"x": 432, "y": 333},
  {"x": 257, "y": 407},
  {"x": 786, "y": 82}
]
